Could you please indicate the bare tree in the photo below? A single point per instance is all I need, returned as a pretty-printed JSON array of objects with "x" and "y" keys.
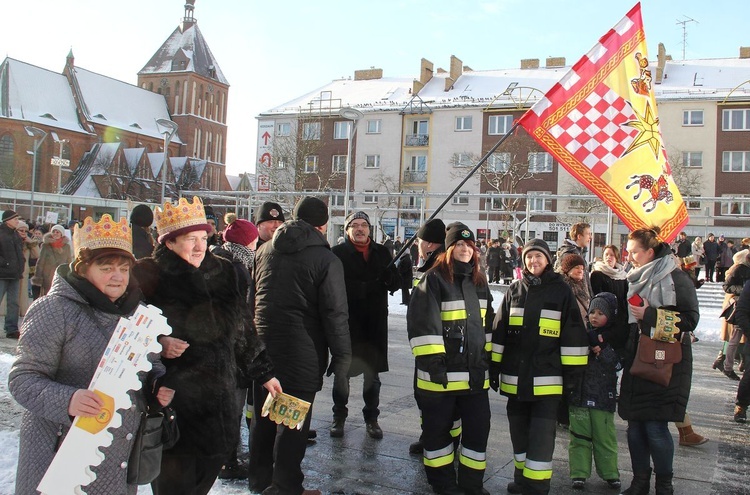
[
  {"x": 579, "y": 209},
  {"x": 689, "y": 179}
]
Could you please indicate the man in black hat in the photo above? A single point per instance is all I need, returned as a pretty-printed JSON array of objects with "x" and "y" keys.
[
  {"x": 268, "y": 218},
  {"x": 11, "y": 269},
  {"x": 369, "y": 275}
]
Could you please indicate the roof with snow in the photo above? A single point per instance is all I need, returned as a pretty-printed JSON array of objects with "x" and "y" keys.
[
  {"x": 185, "y": 51},
  {"x": 37, "y": 95},
  {"x": 705, "y": 79}
]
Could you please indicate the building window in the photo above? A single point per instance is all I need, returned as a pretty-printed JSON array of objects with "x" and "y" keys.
[
  {"x": 693, "y": 203},
  {"x": 372, "y": 161},
  {"x": 311, "y": 164},
  {"x": 735, "y": 161},
  {"x": 499, "y": 124},
  {"x": 7, "y": 168},
  {"x": 463, "y": 123},
  {"x": 341, "y": 130},
  {"x": 280, "y": 163},
  {"x": 337, "y": 200},
  {"x": 284, "y": 129},
  {"x": 373, "y": 126},
  {"x": 462, "y": 160},
  {"x": 370, "y": 197},
  {"x": 338, "y": 165},
  {"x": 498, "y": 162},
  {"x": 540, "y": 162},
  {"x": 736, "y": 207},
  {"x": 497, "y": 203},
  {"x": 415, "y": 201},
  {"x": 692, "y": 117},
  {"x": 540, "y": 203},
  {"x": 692, "y": 158},
  {"x": 461, "y": 198},
  {"x": 417, "y": 170},
  {"x": 735, "y": 120},
  {"x": 311, "y": 131}
]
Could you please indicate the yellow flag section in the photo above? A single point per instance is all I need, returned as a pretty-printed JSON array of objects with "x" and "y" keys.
[{"x": 600, "y": 122}]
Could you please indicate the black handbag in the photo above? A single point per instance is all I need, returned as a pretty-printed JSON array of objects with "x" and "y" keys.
[
  {"x": 730, "y": 313},
  {"x": 157, "y": 432}
]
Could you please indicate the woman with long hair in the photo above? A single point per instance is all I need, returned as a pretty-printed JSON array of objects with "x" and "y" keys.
[
  {"x": 449, "y": 322},
  {"x": 609, "y": 275}
]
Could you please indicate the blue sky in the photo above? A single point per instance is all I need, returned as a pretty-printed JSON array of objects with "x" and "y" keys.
[{"x": 274, "y": 51}]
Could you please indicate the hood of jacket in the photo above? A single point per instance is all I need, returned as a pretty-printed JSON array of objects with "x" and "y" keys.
[{"x": 296, "y": 235}]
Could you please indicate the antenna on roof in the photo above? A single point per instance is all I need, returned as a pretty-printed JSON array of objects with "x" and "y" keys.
[{"x": 684, "y": 23}]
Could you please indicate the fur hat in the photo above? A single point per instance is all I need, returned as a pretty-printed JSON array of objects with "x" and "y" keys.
[
  {"x": 457, "y": 231},
  {"x": 354, "y": 216},
  {"x": 536, "y": 245},
  {"x": 312, "y": 210},
  {"x": 432, "y": 231},
  {"x": 269, "y": 211},
  {"x": 606, "y": 302},
  {"x": 9, "y": 215},
  {"x": 241, "y": 232},
  {"x": 142, "y": 216},
  {"x": 571, "y": 261}
]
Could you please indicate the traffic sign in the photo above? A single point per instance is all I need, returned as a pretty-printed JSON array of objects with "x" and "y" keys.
[{"x": 60, "y": 162}]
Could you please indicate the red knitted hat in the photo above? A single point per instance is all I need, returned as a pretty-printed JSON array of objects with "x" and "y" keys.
[{"x": 241, "y": 232}]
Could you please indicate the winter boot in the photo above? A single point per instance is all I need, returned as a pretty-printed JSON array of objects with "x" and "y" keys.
[
  {"x": 719, "y": 362},
  {"x": 689, "y": 438},
  {"x": 740, "y": 414},
  {"x": 664, "y": 484},
  {"x": 641, "y": 484}
]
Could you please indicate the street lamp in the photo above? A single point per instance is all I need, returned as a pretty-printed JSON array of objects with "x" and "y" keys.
[
  {"x": 38, "y": 136},
  {"x": 354, "y": 115},
  {"x": 168, "y": 128}
]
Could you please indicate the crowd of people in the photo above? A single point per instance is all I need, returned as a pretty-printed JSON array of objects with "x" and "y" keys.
[{"x": 269, "y": 306}]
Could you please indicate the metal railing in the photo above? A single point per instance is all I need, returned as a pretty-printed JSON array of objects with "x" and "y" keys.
[{"x": 417, "y": 140}]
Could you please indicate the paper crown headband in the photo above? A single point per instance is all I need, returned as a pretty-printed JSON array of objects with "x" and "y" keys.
[
  {"x": 106, "y": 233},
  {"x": 174, "y": 220}
]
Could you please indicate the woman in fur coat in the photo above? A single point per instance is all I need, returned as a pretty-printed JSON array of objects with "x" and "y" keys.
[{"x": 55, "y": 252}]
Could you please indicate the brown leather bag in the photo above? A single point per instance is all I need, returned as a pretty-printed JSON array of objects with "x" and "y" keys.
[{"x": 654, "y": 360}]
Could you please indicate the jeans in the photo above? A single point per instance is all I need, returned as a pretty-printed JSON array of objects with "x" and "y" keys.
[
  {"x": 370, "y": 394},
  {"x": 649, "y": 440},
  {"x": 10, "y": 287}
]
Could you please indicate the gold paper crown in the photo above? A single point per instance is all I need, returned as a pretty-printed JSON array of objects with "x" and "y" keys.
[
  {"x": 173, "y": 218},
  {"x": 106, "y": 233}
]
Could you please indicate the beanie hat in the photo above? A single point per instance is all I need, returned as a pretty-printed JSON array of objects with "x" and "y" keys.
[
  {"x": 241, "y": 232},
  {"x": 432, "y": 231},
  {"x": 457, "y": 231},
  {"x": 354, "y": 216},
  {"x": 58, "y": 228},
  {"x": 571, "y": 261},
  {"x": 230, "y": 217},
  {"x": 22, "y": 225},
  {"x": 9, "y": 215},
  {"x": 606, "y": 302},
  {"x": 312, "y": 210},
  {"x": 142, "y": 216},
  {"x": 210, "y": 215},
  {"x": 269, "y": 211},
  {"x": 536, "y": 245}
]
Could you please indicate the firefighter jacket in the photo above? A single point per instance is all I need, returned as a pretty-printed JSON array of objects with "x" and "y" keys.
[
  {"x": 538, "y": 337},
  {"x": 449, "y": 326},
  {"x": 424, "y": 267}
]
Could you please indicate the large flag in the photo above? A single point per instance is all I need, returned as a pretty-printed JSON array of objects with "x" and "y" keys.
[{"x": 600, "y": 123}]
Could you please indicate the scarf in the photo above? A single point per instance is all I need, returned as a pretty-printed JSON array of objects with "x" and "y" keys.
[
  {"x": 616, "y": 273},
  {"x": 242, "y": 254},
  {"x": 581, "y": 292},
  {"x": 653, "y": 282},
  {"x": 364, "y": 249},
  {"x": 58, "y": 244}
]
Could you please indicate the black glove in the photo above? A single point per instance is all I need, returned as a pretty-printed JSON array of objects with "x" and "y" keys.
[
  {"x": 440, "y": 377},
  {"x": 495, "y": 381}
]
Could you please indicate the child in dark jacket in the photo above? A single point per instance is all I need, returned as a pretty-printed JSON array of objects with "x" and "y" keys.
[{"x": 594, "y": 400}]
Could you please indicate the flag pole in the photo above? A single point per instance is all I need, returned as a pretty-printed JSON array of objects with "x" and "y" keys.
[{"x": 413, "y": 238}]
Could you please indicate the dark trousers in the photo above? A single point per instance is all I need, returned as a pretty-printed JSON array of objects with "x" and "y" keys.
[
  {"x": 494, "y": 275},
  {"x": 649, "y": 440},
  {"x": 438, "y": 411},
  {"x": 743, "y": 388},
  {"x": 710, "y": 269},
  {"x": 721, "y": 273},
  {"x": 532, "y": 433},
  {"x": 370, "y": 394},
  {"x": 405, "y": 294},
  {"x": 187, "y": 474},
  {"x": 10, "y": 288},
  {"x": 276, "y": 451}
]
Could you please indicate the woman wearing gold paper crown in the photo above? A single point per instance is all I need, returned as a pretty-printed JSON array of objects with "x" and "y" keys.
[
  {"x": 213, "y": 350},
  {"x": 62, "y": 340},
  {"x": 657, "y": 286}
]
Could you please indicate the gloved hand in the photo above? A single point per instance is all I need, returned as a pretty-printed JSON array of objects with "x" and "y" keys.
[
  {"x": 440, "y": 377},
  {"x": 495, "y": 381}
]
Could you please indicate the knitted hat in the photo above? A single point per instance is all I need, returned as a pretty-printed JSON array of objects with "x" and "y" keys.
[
  {"x": 269, "y": 211},
  {"x": 457, "y": 231},
  {"x": 241, "y": 232},
  {"x": 22, "y": 225},
  {"x": 230, "y": 217},
  {"x": 354, "y": 216},
  {"x": 571, "y": 261},
  {"x": 312, "y": 210},
  {"x": 173, "y": 221},
  {"x": 606, "y": 302},
  {"x": 58, "y": 228},
  {"x": 142, "y": 216},
  {"x": 536, "y": 245},
  {"x": 432, "y": 231},
  {"x": 9, "y": 215}
]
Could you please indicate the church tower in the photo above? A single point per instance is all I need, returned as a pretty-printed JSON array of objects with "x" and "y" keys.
[{"x": 185, "y": 71}]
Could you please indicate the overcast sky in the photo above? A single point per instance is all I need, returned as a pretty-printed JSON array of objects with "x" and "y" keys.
[{"x": 272, "y": 52}]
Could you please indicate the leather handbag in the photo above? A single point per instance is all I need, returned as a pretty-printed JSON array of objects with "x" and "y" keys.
[
  {"x": 655, "y": 359},
  {"x": 729, "y": 313},
  {"x": 156, "y": 433}
]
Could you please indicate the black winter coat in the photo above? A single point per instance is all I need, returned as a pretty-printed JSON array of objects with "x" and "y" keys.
[
  {"x": 300, "y": 306},
  {"x": 617, "y": 333},
  {"x": 204, "y": 308},
  {"x": 743, "y": 310},
  {"x": 735, "y": 280},
  {"x": 11, "y": 254},
  {"x": 596, "y": 388},
  {"x": 143, "y": 241},
  {"x": 711, "y": 251},
  {"x": 367, "y": 286}
]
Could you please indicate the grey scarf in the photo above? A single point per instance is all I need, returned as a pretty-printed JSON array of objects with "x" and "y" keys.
[
  {"x": 653, "y": 282},
  {"x": 616, "y": 273}
]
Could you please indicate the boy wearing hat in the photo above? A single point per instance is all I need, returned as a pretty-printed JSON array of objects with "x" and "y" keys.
[
  {"x": 11, "y": 271},
  {"x": 268, "y": 218}
]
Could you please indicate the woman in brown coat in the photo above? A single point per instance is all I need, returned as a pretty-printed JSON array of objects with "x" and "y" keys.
[{"x": 55, "y": 252}]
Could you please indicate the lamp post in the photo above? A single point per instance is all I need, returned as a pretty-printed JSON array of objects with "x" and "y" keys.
[
  {"x": 168, "y": 128},
  {"x": 353, "y": 115},
  {"x": 38, "y": 136}
]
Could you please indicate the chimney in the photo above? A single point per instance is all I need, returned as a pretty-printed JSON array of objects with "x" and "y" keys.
[
  {"x": 367, "y": 74},
  {"x": 661, "y": 62},
  {"x": 530, "y": 63},
  {"x": 555, "y": 62},
  {"x": 455, "y": 73},
  {"x": 425, "y": 74},
  {"x": 745, "y": 52}
]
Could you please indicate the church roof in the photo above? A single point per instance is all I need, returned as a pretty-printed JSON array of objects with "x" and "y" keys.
[{"x": 185, "y": 51}]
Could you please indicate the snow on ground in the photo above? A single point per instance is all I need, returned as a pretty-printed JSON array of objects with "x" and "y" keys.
[{"x": 708, "y": 330}]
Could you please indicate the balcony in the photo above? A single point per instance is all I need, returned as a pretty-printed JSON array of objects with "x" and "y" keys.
[
  {"x": 417, "y": 139},
  {"x": 415, "y": 176}
]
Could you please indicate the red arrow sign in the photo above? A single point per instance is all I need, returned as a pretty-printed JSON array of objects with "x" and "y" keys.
[
  {"x": 266, "y": 137},
  {"x": 266, "y": 158}
]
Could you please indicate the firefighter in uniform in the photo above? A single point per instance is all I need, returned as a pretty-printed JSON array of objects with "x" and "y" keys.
[
  {"x": 538, "y": 338},
  {"x": 449, "y": 322}
]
